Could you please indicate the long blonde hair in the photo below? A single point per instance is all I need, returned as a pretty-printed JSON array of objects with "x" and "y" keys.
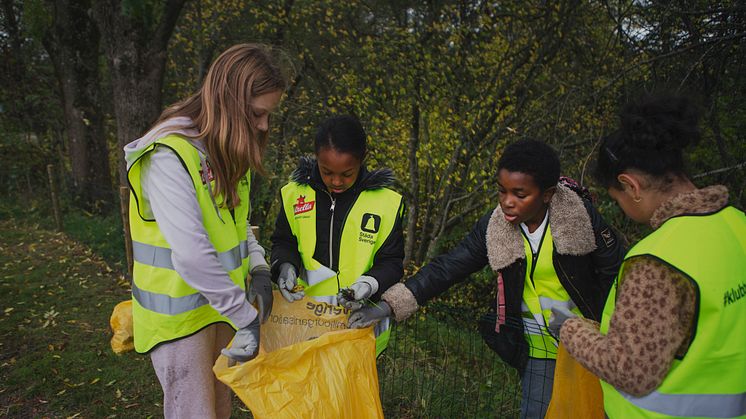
[{"x": 221, "y": 114}]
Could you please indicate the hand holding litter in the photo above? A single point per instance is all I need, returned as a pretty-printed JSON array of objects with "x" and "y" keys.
[
  {"x": 558, "y": 316},
  {"x": 362, "y": 288},
  {"x": 287, "y": 282}
]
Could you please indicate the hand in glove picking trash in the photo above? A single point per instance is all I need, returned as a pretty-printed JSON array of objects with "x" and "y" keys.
[
  {"x": 287, "y": 280},
  {"x": 259, "y": 291},
  {"x": 361, "y": 289},
  {"x": 245, "y": 346},
  {"x": 558, "y": 316},
  {"x": 368, "y": 315}
]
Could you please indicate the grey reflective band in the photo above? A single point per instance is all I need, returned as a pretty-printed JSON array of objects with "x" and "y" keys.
[
  {"x": 534, "y": 321},
  {"x": 318, "y": 275},
  {"x": 160, "y": 257},
  {"x": 547, "y": 303},
  {"x": 244, "y": 246},
  {"x": 165, "y": 304},
  {"x": 692, "y": 405},
  {"x": 532, "y": 328},
  {"x": 231, "y": 259}
]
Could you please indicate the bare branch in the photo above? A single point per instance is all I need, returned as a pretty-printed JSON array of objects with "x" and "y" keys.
[{"x": 721, "y": 170}]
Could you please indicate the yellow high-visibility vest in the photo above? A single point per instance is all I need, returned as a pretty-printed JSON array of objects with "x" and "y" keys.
[
  {"x": 366, "y": 227},
  {"x": 542, "y": 290},
  {"x": 710, "y": 380},
  {"x": 164, "y": 306}
]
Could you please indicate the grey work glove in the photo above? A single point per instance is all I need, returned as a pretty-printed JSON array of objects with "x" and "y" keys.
[
  {"x": 260, "y": 291},
  {"x": 287, "y": 280},
  {"x": 245, "y": 345},
  {"x": 558, "y": 316},
  {"x": 368, "y": 315},
  {"x": 353, "y": 296}
]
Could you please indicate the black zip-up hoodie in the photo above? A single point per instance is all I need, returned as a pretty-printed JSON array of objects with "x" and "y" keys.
[{"x": 387, "y": 266}]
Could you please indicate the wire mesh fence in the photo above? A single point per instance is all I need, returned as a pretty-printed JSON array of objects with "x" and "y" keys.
[{"x": 438, "y": 366}]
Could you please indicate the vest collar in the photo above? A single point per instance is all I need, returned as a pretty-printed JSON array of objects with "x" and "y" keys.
[
  {"x": 179, "y": 125},
  {"x": 307, "y": 173},
  {"x": 698, "y": 201},
  {"x": 570, "y": 225}
]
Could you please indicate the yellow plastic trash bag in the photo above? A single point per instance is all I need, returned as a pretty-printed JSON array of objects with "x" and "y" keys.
[
  {"x": 576, "y": 393},
  {"x": 322, "y": 373},
  {"x": 300, "y": 321},
  {"x": 121, "y": 325}
]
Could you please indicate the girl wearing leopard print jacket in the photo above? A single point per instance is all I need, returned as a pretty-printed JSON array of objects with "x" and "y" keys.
[{"x": 672, "y": 337}]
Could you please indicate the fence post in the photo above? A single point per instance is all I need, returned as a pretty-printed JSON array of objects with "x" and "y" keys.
[
  {"x": 55, "y": 198},
  {"x": 124, "y": 194}
]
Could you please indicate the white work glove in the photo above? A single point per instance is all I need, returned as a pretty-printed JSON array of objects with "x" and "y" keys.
[
  {"x": 368, "y": 315},
  {"x": 353, "y": 296},
  {"x": 287, "y": 280},
  {"x": 245, "y": 346},
  {"x": 557, "y": 318}
]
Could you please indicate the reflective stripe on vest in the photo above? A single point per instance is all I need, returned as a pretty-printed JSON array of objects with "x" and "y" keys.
[
  {"x": 710, "y": 380},
  {"x": 160, "y": 257},
  {"x": 165, "y": 304},
  {"x": 165, "y": 307},
  {"x": 542, "y": 290},
  {"x": 693, "y": 405},
  {"x": 366, "y": 226}
]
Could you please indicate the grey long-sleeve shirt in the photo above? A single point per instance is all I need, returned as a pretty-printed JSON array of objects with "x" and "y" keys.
[{"x": 169, "y": 192}]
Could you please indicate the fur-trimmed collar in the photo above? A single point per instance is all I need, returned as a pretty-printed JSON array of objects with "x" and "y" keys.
[
  {"x": 698, "y": 201},
  {"x": 307, "y": 174},
  {"x": 569, "y": 222}
]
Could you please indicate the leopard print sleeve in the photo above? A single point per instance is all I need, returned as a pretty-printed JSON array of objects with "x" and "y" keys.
[{"x": 651, "y": 324}]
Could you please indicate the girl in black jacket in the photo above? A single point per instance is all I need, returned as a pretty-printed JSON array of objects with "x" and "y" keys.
[
  {"x": 541, "y": 289},
  {"x": 339, "y": 181}
]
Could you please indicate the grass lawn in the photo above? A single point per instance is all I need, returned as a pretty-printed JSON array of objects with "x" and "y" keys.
[{"x": 56, "y": 297}]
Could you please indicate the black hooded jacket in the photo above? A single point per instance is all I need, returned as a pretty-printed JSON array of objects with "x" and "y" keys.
[{"x": 387, "y": 266}]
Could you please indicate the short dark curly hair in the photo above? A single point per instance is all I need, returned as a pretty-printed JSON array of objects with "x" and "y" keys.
[{"x": 532, "y": 157}]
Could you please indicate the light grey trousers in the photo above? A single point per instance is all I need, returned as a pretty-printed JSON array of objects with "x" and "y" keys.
[{"x": 184, "y": 369}]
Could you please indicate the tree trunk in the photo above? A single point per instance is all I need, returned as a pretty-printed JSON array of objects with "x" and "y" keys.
[
  {"x": 72, "y": 43},
  {"x": 414, "y": 184},
  {"x": 136, "y": 49},
  {"x": 135, "y": 42}
]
